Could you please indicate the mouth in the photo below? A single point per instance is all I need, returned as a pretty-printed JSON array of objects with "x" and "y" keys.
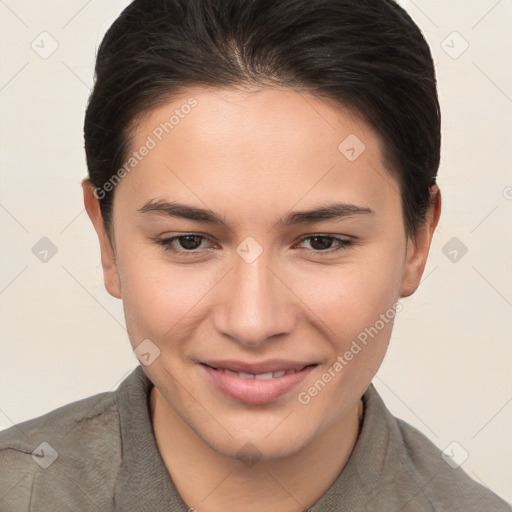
[
  {"x": 262, "y": 375},
  {"x": 256, "y": 384}
]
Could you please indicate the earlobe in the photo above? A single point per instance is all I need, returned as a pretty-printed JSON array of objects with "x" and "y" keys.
[
  {"x": 418, "y": 248},
  {"x": 108, "y": 257}
]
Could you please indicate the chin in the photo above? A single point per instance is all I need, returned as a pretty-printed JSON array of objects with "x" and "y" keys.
[{"x": 254, "y": 446}]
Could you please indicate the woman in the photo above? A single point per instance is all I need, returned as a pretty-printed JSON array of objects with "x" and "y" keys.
[{"x": 262, "y": 180}]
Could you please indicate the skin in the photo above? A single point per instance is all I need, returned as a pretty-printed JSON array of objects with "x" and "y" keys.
[{"x": 252, "y": 156}]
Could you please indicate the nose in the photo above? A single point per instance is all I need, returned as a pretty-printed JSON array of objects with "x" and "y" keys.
[{"x": 256, "y": 304}]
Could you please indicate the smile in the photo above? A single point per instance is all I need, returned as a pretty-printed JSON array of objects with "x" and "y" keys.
[{"x": 251, "y": 385}]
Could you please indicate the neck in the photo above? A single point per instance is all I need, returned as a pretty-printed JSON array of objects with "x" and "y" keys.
[{"x": 211, "y": 482}]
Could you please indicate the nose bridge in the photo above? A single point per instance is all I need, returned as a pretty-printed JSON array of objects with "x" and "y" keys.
[{"x": 254, "y": 301}]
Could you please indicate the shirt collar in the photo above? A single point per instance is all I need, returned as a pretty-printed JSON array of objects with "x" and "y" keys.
[
  {"x": 360, "y": 480},
  {"x": 143, "y": 482}
]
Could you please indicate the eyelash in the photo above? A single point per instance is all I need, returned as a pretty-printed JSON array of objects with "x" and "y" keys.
[{"x": 166, "y": 243}]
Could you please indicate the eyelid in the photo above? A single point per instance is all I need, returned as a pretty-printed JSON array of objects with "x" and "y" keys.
[
  {"x": 343, "y": 242},
  {"x": 166, "y": 242}
]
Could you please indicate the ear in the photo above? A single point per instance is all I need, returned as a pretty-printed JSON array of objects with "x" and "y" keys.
[
  {"x": 108, "y": 258},
  {"x": 418, "y": 247}
]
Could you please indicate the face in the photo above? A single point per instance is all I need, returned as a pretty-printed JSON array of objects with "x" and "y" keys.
[{"x": 250, "y": 286}]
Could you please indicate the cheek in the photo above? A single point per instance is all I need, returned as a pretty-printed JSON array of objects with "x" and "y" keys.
[
  {"x": 349, "y": 299},
  {"x": 357, "y": 307},
  {"x": 160, "y": 300}
]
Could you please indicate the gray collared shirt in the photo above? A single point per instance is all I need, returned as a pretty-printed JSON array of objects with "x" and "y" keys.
[{"x": 100, "y": 454}]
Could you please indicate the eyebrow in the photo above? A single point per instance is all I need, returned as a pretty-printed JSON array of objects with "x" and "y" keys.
[{"x": 331, "y": 211}]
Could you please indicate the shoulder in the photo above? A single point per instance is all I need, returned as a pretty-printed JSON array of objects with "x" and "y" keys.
[
  {"x": 397, "y": 467},
  {"x": 56, "y": 454},
  {"x": 443, "y": 482}
]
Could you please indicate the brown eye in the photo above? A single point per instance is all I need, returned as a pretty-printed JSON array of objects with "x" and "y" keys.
[
  {"x": 189, "y": 242},
  {"x": 182, "y": 244},
  {"x": 320, "y": 243},
  {"x": 324, "y": 243}
]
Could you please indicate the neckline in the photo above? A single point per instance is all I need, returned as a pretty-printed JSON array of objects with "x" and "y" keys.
[{"x": 144, "y": 482}]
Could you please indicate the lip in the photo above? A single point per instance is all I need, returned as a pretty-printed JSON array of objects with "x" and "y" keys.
[
  {"x": 270, "y": 365},
  {"x": 256, "y": 391}
]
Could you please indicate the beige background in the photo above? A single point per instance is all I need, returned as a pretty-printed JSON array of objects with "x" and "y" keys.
[{"x": 62, "y": 336}]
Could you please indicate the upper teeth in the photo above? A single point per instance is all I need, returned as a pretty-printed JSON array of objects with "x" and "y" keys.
[{"x": 263, "y": 376}]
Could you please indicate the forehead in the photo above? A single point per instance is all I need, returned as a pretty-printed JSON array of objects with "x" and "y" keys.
[{"x": 264, "y": 145}]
